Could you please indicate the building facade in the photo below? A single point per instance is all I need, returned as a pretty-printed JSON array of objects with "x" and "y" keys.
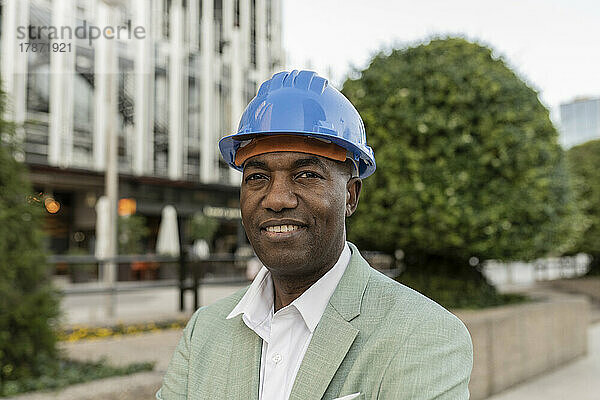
[
  {"x": 580, "y": 121},
  {"x": 182, "y": 71}
]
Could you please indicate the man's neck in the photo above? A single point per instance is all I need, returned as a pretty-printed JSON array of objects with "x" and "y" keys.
[{"x": 286, "y": 289}]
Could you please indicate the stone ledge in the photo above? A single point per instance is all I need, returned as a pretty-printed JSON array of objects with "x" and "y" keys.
[
  {"x": 588, "y": 286},
  {"x": 515, "y": 343}
]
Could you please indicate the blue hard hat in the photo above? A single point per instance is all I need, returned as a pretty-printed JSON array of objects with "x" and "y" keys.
[{"x": 302, "y": 103}]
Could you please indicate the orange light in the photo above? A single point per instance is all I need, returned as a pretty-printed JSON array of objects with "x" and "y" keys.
[
  {"x": 52, "y": 206},
  {"x": 126, "y": 207}
]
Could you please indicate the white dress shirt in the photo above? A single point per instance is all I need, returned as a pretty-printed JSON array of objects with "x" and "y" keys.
[{"x": 286, "y": 333}]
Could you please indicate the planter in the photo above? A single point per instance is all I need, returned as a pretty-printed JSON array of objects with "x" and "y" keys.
[{"x": 514, "y": 343}]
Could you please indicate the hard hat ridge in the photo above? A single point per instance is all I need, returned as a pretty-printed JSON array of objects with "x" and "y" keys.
[{"x": 304, "y": 80}]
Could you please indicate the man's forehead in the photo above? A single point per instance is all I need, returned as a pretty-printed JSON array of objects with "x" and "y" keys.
[{"x": 287, "y": 160}]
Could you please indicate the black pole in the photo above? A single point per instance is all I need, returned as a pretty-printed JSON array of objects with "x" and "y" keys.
[
  {"x": 182, "y": 273},
  {"x": 195, "y": 278},
  {"x": 182, "y": 265}
]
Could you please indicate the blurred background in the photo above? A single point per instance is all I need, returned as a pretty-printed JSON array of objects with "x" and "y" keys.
[{"x": 118, "y": 217}]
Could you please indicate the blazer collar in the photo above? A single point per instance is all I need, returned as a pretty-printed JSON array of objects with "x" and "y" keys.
[
  {"x": 347, "y": 298},
  {"x": 334, "y": 334}
]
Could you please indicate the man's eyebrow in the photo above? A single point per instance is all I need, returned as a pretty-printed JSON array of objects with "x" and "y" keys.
[
  {"x": 309, "y": 161},
  {"x": 255, "y": 164}
]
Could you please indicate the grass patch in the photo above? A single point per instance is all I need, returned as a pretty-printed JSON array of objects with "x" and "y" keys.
[{"x": 69, "y": 372}]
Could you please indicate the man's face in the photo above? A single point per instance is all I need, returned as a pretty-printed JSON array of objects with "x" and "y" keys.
[{"x": 293, "y": 210}]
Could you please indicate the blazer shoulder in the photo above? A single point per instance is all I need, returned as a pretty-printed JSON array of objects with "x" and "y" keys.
[
  {"x": 430, "y": 349},
  {"x": 400, "y": 305},
  {"x": 218, "y": 310}
]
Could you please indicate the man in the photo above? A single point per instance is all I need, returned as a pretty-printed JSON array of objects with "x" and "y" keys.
[{"x": 317, "y": 322}]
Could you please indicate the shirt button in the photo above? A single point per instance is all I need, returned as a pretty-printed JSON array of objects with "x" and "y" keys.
[{"x": 277, "y": 358}]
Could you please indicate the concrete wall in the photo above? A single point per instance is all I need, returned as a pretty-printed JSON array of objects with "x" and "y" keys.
[
  {"x": 588, "y": 286},
  {"x": 514, "y": 343}
]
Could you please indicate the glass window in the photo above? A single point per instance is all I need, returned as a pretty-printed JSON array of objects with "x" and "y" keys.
[
  {"x": 250, "y": 90},
  {"x": 166, "y": 18},
  {"x": 218, "y": 17},
  {"x": 269, "y": 12},
  {"x": 38, "y": 82},
  {"x": 236, "y": 13},
  {"x": 161, "y": 122},
  {"x": 82, "y": 7},
  {"x": 193, "y": 111},
  {"x": 126, "y": 111},
  {"x": 192, "y": 167},
  {"x": 84, "y": 90},
  {"x": 253, "y": 33},
  {"x": 84, "y": 99},
  {"x": 199, "y": 25}
]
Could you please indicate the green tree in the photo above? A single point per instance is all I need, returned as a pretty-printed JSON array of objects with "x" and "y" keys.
[
  {"x": 203, "y": 227},
  {"x": 28, "y": 304},
  {"x": 469, "y": 167},
  {"x": 583, "y": 161},
  {"x": 132, "y": 230}
]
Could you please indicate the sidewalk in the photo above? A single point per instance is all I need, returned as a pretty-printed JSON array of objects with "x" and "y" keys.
[{"x": 579, "y": 380}]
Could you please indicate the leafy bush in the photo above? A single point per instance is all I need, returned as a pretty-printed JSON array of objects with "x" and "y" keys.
[
  {"x": 583, "y": 161},
  {"x": 132, "y": 230},
  {"x": 68, "y": 373},
  {"x": 452, "y": 292},
  {"x": 203, "y": 227},
  {"x": 468, "y": 162},
  {"x": 28, "y": 304}
]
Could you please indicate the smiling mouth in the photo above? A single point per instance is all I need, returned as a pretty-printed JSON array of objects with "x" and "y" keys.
[
  {"x": 282, "y": 232},
  {"x": 282, "y": 228}
]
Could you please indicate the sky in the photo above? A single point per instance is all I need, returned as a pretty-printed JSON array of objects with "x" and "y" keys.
[{"x": 554, "y": 45}]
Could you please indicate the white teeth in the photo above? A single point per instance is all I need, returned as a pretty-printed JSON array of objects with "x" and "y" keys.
[{"x": 282, "y": 228}]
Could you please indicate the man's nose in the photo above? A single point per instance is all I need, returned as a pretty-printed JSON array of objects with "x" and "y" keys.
[{"x": 279, "y": 194}]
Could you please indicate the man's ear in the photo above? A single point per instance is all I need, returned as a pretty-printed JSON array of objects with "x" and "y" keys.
[{"x": 353, "y": 188}]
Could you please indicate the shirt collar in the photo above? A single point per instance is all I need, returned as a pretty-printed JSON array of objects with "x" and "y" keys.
[
  {"x": 257, "y": 303},
  {"x": 313, "y": 301},
  {"x": 256, "y": 306}
]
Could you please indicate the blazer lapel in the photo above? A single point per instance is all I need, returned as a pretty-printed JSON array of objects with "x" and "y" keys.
[
  {"x": 328, "y": 347},
  {"x": 244, "y": 362},
  {"x": 334, "y": 334}
]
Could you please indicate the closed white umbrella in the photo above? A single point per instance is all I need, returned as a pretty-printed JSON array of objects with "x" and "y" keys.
[
  {"x": 102, "y": 228},
  {"x": 168, "y": 233},
  {"x": 200, "y": 249}
]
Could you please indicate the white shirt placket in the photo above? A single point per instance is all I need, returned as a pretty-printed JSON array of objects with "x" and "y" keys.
[{"x": 277, "y": 357}]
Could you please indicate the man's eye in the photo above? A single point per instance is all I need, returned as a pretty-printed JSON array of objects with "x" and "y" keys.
[
  {"x": 254, "y": 177},
  {"x": 308, "y": 174}
]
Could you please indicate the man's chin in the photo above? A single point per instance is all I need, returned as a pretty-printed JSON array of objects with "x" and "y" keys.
[{"x": 286, "y": 262}]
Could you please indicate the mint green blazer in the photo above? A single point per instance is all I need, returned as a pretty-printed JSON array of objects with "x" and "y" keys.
[{"x": 376, "y": 337}]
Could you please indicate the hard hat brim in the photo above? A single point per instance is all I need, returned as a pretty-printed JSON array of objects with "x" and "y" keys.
[{"x": 229, "y": 145}]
